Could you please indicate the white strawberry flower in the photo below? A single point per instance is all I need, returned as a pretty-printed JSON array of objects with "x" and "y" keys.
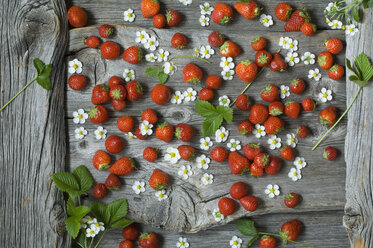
[
  {"x": 146, "y": 128},
  {"x": 300, "y": 163},
  {"x": 162, "y": 55},
  {"x": 226, "y": 63},
  {"x": 315, "y": 74},
  {"x": 259, "y": 131},
  {"x": 292, "y": 58},
  {"x": 224, "y": 101},
  {"x": 190, "y": 95},
  {"x": 274, "y": 142},
  {"x": 186, "y": 2},
  {"x": 295, "y": 174},
  {"x": 129, "y": 16},
  {"x": 351, "y": 30},
  {"x": 169, "y": 68},
  {"x": 291, "y": 140},
  {"x": 207, "y": 179},
  {"x": 172, "y": 155},
  {"x": 142, "y": 37},
  {"x": 100, "y": 133},
  {"x": 221, "y": 135},
  {"x": 89, "y": 220},
  {"x": 129, "y": 75},
  {"x": 80, "y": 133},
  {"x": 98, "y": 226},
  {"x": 206, "y": 52},
  {"x": 266, "y": 20},
  {"x": 272, "y": 190},
  {"x": 292, "y": 45},
  {"x": 218, "y": 216},
  {"x": 308, "y": 58},
  {"x": 335, "y": 24},
  {"x": 80, "y": 116},
  {"x": 150, "y": 57},
  {"x": 91, "y": 233},
  {"x": 332, "y": 6},
  {"x": 203, "y": 162},
  {"x": 75, "y": 66},
  {"x": 206, "y": 9},
  {"x": 204, "y": 21},
  {"x": 234, "y": 145},
  {"x": 151, "y": 43},
  {"x": 235, "y": 242},
  {"x": 227, "y": 75},
  {"x": 196, "y": 51},
  {"x": 138, "y": 187},
  {"x": 130, "y": 135},
  {"x": 284, "y": 41},
  {"x": 185, "y": 172},
  {"x": 161, "y": 195},
  {"x": 177, "y": 98},
  {"x": 284, "y": 91},
  {"x": 205, "y": 143},
  {"x": 325, "y": 95},
  {"x": 182, "y": 243}
]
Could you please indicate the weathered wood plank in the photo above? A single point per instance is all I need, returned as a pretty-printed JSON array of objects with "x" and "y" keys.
[{"x": 32, "y": 127}]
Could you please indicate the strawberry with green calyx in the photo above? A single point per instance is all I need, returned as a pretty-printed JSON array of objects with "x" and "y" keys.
[
  {"x": 112, "y": 182},
  {"x": 159, "y": 21},
  {"x": 273, "y": 125},
  {"x": 230, "y": 49},
  {"x": 173, "y": 17},
  {"x": 297, "y": 19},
  {"x": 270, "y": 93},
  {"x": 276, "y": 108},
  {"x": 187, "y": 152},
  {"x": 291, "y": 200},
  {"x": 216, "y": 39},
  {"x": 238, "y": 164},
  {"x": 290, "y": 230},
  {"x": 330, "y": 153},
  {"x": 302, "y": 131},
  {"x": 222, "y": 13},
  {"x": 227, "y": 206},
  {"x": 251, "y": 150},
  {"x": 110, "y": 50},
  {"x": 308, "y": 104},
  {"x": 91, "y": 41},
  {"x": 160, "y": 94},
  {"x": 149, "y": 8},
  {"x": 248, "y": 9},
  {"x": 184, "y": 132},
  {"x": 267, "y": 242},
  {"x": 287, "y": 153},
  {"x": 192, "y": 74},
  {"x": 308, "y": 29},
  {"x": 114, "y": 144},
  {"x": 98, "y": 114},
  {"x": 258, "y": 43},
  {"x": 258, "y": 113},
  {"x": 159, "y": 180},
  {"x": 328, "y": 116},
  {"x": 292, "y": 109},
  {"x": 100, "y": 94},
  {"x": 278, "y": 63},
  {"x": 247, "y": 70},
  {"x": 245, "y": 127},
  {"x": 118, "y": 92},
  {"x": 105, "y": 30},
  {"x": 123, "y": 166},
  {"x": 297, "y": 86},
  {"x": 263, "y": 58},
  {"x": 283, "y": 11},
  {"x": 148, "y": 240},
  {"x": 243, "y": 102},
  {"x": 150, "y": 154},
  {"x": 165, "y": 132},
  {"x": 133, "y": 55},
  {"x": 219, "y": 154},
  {"x": 325, "y": 60},
  {"x": 99, "y": 190},
  {"x": 336, "y": 72},
  {"x": 334, "y": 45},
  {"x": 262, "y": 159},
  {"x": 179, "y": 41},
  {"x": 101, "y": 160},
  {"x": 249, "y": 202},
  {"x": 134, "y": 90}
]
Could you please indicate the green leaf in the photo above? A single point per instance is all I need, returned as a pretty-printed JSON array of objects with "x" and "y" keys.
[
  {"x": 364, "y": 66},
  {"x": 226, "y": 112},
  {"x": 81, "y": 211},
  {"x": 117, "y": 210},
  {"x": 211, "y": 124},
  {"x": 80, "y": 240},
  {"x": 349, "y": 66},
  {"x": 121, "y": 223},
  {"x": 367, "y": 4},
  {"x": 72, "y": 225},
  {"x": 70, "y": 205},
  {"x": 356, "y": 13},
  {"x": 99, "y": 209},
  {"x": 65, "y": 181},
  {"x": 357, "y": 81},
  {"x": 162, "y": 77},
  {"x": 43, "y": 78},
  {"x": 83, "y": 177},
  {"x": 205, "y": 109},
  {"x": 246, "y": 227},
  {"x": 252, "y": 240},
  {"x": 153, "y": 71},
  {"x": 39, "y": 65}
]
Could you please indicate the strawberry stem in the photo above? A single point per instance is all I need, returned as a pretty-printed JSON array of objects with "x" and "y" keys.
[
  {"x": 195, "y": 57},
  {"x": 296, "y": 242},
  {"x": 98, "y": 242}
]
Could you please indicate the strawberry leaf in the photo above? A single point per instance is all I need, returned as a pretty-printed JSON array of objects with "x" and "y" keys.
[
  {"x": 39, "y": 66},
  {"x": 367, "y": 4},
  {"x": 72, "y": 225},
  {"x": 205, "y": 109},
  {"x": 226, "y": 112},
  {"x": 81, "y": 211},
  {"x": 121, "y": 223},
  {"x": 211, "y": 124},
  {"x": 116, "y": 210},
  {"x": 84, "y": 178},
  {"x": 43, "y": 79},
  {"x": 153, "y": 71},
  {"x": 356, "y": 13},
  {"x": 99, "y": 209},
  {"x": 162, "y": 77},
  {"x": 246, "y": 227},
  {"x": 70, "y": 206},
  {"x": 65, "y": 182},
  {"x": 364, "y": 66},
  {"x": 252, "y": 240},
  {"x": 80, "y": 240}
]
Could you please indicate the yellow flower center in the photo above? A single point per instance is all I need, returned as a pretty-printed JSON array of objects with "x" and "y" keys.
[
  {"x": 162, "y": 55},
  {"x": 324, "y": 95},
  {"x": 172, "y": 154},
  {"x": 265, "y": 20},
  {"x": 171, "y": 68},
  {"x": 284, "y": 42},
  {"x": 182, "y": 243},
  {"x": 351, "y": 29},
  {"x": 335, "y": 24},
  {"x": 206, "y": 52},
  {"x": 146, "y": 128},
  {"x": 97, "y": 224},
  {"x": 272, "y": 191},
  {"x": 151, "y": 43},
  {"x": 190, "y": 94},
  {"x": 129, "y": 15},
  {"x": 343, "y": 27},
  {"x": 91, "y": 232},
  {"x": 207, "y": 178},
  {"x": 196, "y": 51},
  {"x": 80, "y": 132},
  {"x": 259, "y": 130},
  {"x": 226, "y": 63},
  {"x": 222, "y": 135},
  {"x": 177, "y": 97},
  {"x": 202, "y": 162},
  {"x": 80, "y": 116},
  {"x": 274, "y": 142},
  {"x": 299, "y": 161},
  {"x": 327, "y": 20},
  {"x": 185, "y": 171},
  {"x": 315, "y": 74},
  {"x": 295, "y": 174},
  {"x": 291, "y": 45},
  {"x": 160, "y": 195},
  {"x": 141, "y": 36},
  {"x": 205, "y": 143},
  {"x": 292, "y": 140},
  {"x": 284, "y": 91},
  {"x": 235, "y": 242},
  {"x": 151, "y": 58},
  {"x": 203, "y": 20},
  {"x": 138, "y": 186},
  {"x": 291, "y": 58},
  {"x": 100, "y": 133},
  {"x": 75, "y": 66}
]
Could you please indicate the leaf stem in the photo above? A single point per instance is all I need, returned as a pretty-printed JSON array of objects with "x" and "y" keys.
[
  {"x": 195, "y": 57},
  {"x": 90, "y": 243},
  {"x": 340, "y": 118},
  {"x": 79, "y": 201},
  {"x": 296, "y": 242},
  {"x": 98, "y": 242}
]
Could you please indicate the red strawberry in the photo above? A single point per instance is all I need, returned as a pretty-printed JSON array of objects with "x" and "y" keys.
[
  {"x": 160, "y": 94},
  {"x": 133, "y": 55},
  {"x": 336, "y": 72},
  {"x": 131, "y": 232},
  {"x": 149, "y": 115},
  {"x": 216, "y": 39},
  {"x": 139, "y": 135},
  {"x": 77, "y": 17},
  {"x": 245, "y": 127},
  {"x": 127, "y": 244},
  {"x": 118, "y": 92},
  {"x": 296, "y": 20},
  {"x": 334, "y": 45},
  {"x": 267, "y": 242},
  {"x": 126, "y": 123},
  {"x": 325, "y": 60},
  {"x": 258, "y": 113},
  {"x": 297, "y": 86},
  {"x": 278, "y": 63},
  {"x": 230, "y": 49},
  {"x": 98, "y": 114},
  {"x": 179, "y": 41},
  {"x": 123, "y": 166},
  {"x": 114, "y": 144},
  {"x": 243, "y": 102},
  {"x": 112, "y": 182},
  {"x": 291, "y": 229},
  {"x": 187, "y": 152},
  {"x": 249, "y": 202},
  {"x": 302, "y": 131},
  {"x": 258, "y": 43},
  {"x": 110, "y": 50},
  {"x": 101, "y": 160},
  {"x": 105, "y": 30},
  {"x": 330, "y": 153},
  {"x": 213, "y": 81},
  {"x": 222, "y": 13},
  {"x": 274, "y": 125},
  {"x": 99, "y": 190},
  {"x": 238, "y": 164},
  {"x": 283, "y": 11},
  {"x": 159, "y": 180},
  {"x": 77, "y": 81},
  {"x": 276, "y": 108},
  {"x": 308, "y": 104},
  {"x": 149, "y": 8},
  {"x": 291, "y": 200},
  {"x": 227, "y": 206},
  {"x": 192, "y": 74},
  {"x": 270, "y": 93},
  {"x": 249, "y": 10},
  {"x": 114, "y": 80},
  {"x": 150, "y": 154},
  {"x": 173, "y": 17},
  {"x": 263, "y": 58},
  {"x": 246, "y": 70},
  {"x": 92, "y": 41},
  {"x": 100, "y": 94},
  {"x": 256, "y": 170},
  {"x": 238, "y": 190},
  {"x": 165, "y": 132},
  {"x": 328, "y": 116},
  {"x": 184, "y": 132},
  {"x": 251, "y": 150},
  {"x": 292, "y": 109},
  {"x": 287, "y": 153},
  {"x": 308, "y": 29},
  {"x": 159, "y": 21},
  {"x": 118, "y": 105},
  {"x": 274, "y": 166},
  {"x": 206, "y": 94},
  {"x": 219, "y": 154},
  {"x": 148, "y": 240},
  {"x": 262, "y": 159},
  {"x": 134, "y": 90}
]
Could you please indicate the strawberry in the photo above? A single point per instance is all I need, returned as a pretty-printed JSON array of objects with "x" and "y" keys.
[
  {"x": 334, "y": 45},
  {"x": 249, "y": 202},
  {"x": 148, "y": 240},
  {"x": 328, "y": 116},
  {"x": 101, "y": 160},
  {"x": 160, "y": 94},
  {"x": 139, "y": 135},
  {"x": 213, "y": 81},
  {"x": 325, "y": 60},
  {"x": 296, "y": 20},
  {"x": 100, "y": 94},
  {"x": 274, "y": 125},
  {"x": 126, "y": 123},
  {"x": 249, "y": 10},
  {"x": 278, "y": 63},
  {"x": 118, "y": 92},
  {"x": 283, "y": 11},
  {"x": 187, "y": 152},
  {"x": 251, "y": 150},
  {"x": 256, "y": 170},
  {"x": 292, "y": 109},
  {"x": 308, "y": 104},
  {"x": 276, "y": 108},
  {"x": 263, "y": 58},
  {"x": 110, "y": 50},
  {"x": 165, "y": 132},
  {"x": 246, "y": 70},
  {"x": 336, "y": 72},
  {"x": 173, "y": 17},
  {"x": 222, "y": 13},
  {"x": 92, "y": 41},
  {"x": 291, "y": 229},
  {"x": 238, "y": 190},
  {"x": 291, "y": 200},
  {"x": 227, "y": 206},
  {"x": 179, "y": 41},
  {"x": 192, "y": 74},
  {"x": 149, "y": 115},
  {"x": 134, "y": 90},
  {"x": 131, "y": 232},
  {"x": 267, "y": 242},
  {"x": 308, "y": 29},
  {"x": 99, "y": 190},
  {"x": 238, "y": 164},
  {"x": 159, "y": 180},
  {"x": 77, "y": 81},
  {"x": 105, "y": 31},
  {"x": 112, "y": 182},
  {"x": 258, "y": 43},
  {"x": 245, "y": 127},
  {"x": 159, "y": 21},
  {"x": 127, "y": 244},
  {"x": 262, "y": 159},
  {"x": 206, "y": 94},
  {"x": 216, "y": 39},
  {"x": 77, "y": 17},
  {"x": 115, "y": 80},
  {"x": 258, "y": 113},
  {"x": 287, "y": 153},
  {"x": 114, "y": 144},
  {"x": 243, "y": 102},
  {"x": 302, "y": 131},
  {"x": 184, "y": 132},
  {"x": 270, "y": 93},
  {"x": 118, "y": 105},
  {"x": 330, "y": 153},
  {"x": 123, "y": 166},
  {"x": 149, "y": 8},
  {"x": 98, "y": 114},
  {"x": 219, "y": 154},
  {"x": 230, "y": 49},
  {"x": 297, "y": 86},
  {"x": 274, "y": 166},
  {"x": 133, "y": 55},
  {"x": 150, "y": 154}
]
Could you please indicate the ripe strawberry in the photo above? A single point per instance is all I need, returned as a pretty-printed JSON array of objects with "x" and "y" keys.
[
  {"x": 159, "y": 180},
  {"x": 249, "y": 10},
  {"x": 173, "y": 17},
  {"x": 249, "y": 202},
  {"x": 112, "y": 182},
  {"x": 262, "y": 159},
  {"x": 292, "y": 109},
  {"x": 118, "y": 105},
  {"x": 110, "y": 50},
  {"x": 287, "y": 153},
  {"x": 291, "y": 200},
  {"x": 184, "y": 132},
  {"x": 165, "y": 132},
  {"x": 92, "y": 41},
  {"x": 134, "y": 90},
  {"x": 118, "y": 92},
  {"x": 192, "y": 74},
  {"x": 149, "y": 115},
  {"x": 160, "y": 94},
  {"x": 278, "y": 63},
  {"x": 251, "y": 150},
  {"x": 101, "y": 160},
  {"x": 302, "y": 131},
  {"x": 159, "y": 21},
  {"x": 219, "y": 154},
  {"x": 246, "y": 70},
  {"x": 222, "y": 13},
  {"x": 308, "y": 104},
  {"x": 150, "y": 154},
  {"x": 283, "y": 11},
  {"x": 149, "y": 8},
  {"x": 291, "y": 229},
  {"x": 114, "y": 144},
  {"x": 243, "y": 102},
  {"x": 256, "y": 170},
  {"x": 148, "y": 240},
  {"x": 98, "y": 114},
  {"x": 274, "y": 166},
  {"x": 105, "y": 31},
  {"x": 77, "y": 17},
  {"x": 99, "y": 190},
  {"x": 115, "y": 80},
  {"x": 334, "y": 45},
  {"x": 263, "y": 58},
  {"x": 238, "y": 164},
  {"x": 245, "y": 127},
  {"x": 187, "y": 152},
  {"x": 77, "y": 81},
  {"x": 230, "y": 49},
  {"x": 270, "y": 93},
  {"x": 100, "y": 94},
  {"x": 330, "y": 153},
  {"x": 127, "y": 244},
  {"x": 139, "y": 135},
  {"x": 267, "y": 242},
  {"x": 227, "y": 206},
  {"x": 133, "y": 55},
  {"x": 296, "y": 20},
  {"x": 336, "y": 72},
  {"x": 328, "y": 116},
  {"x": 123, "y": 166},
  {"x": 274, "y": 125},
  {"x": 308, "y": 29},
  {"x": 179, "y": 41},
  {"x": 216, "y": 39},
  {"x": 258, "y": 113},
  {"x": 131, "y": 232},
  {"x": 276, "y": 108},
  {"x": 325, "y": 60},
  {"x": 126, "y": 123},
  {"x": 297, "y": 86},
  {"x": 213, "y": 81},
  {"x": 258, "y": 43},
  {"x": 206, "y": 94},
  {"x": 238, "y": 190}
]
